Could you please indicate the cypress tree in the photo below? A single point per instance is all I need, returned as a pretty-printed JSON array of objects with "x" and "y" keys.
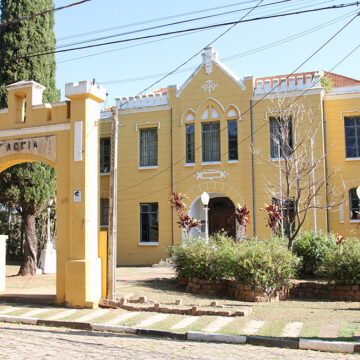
[
  {"x": 27, "y": 187},
  {"x": 23, "y": 38}
]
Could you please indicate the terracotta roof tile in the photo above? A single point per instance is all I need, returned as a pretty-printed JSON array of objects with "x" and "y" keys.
[{"x": 336, "y": 79}]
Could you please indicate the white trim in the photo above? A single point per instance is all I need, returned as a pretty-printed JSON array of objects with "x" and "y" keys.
[
  {"x": 78, "y": 140},
  {"x": 149, "y": 243},
  {"x": 233, "y": 161},
  {"x": 331, "y": 97},
  {"x": 352, "y": 159},
  {"x": 210, "y": 163},
  {"x": 142, "y": 110},
  {"x": 273, "y": 95},
  {"x": 210, "y": 98},
  {"x": 236, "y": 108},
  {"x": 341, "y": 212},
  {"x": 354, "y": 221},
  {"x": 343, "y": 113},
  {"x": 35, "y": 130},
  {"x": 189, "y": 164},
  {"x": 104, "y": 173},
  {"x": 147, "y": 167},
  {"x": 188, "y": 110},
  {"x": 147, "y": 123}
]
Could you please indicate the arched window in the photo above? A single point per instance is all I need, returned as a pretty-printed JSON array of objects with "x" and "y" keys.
[{"x": 210, "y": 131}]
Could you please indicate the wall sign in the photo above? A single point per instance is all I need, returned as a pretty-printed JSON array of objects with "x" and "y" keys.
[
  {"x": 77, "y": 196},
  {"x": 44, "y": 146}
]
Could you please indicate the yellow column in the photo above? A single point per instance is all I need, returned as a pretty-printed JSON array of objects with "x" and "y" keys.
[{"x": 83, "y": 280}]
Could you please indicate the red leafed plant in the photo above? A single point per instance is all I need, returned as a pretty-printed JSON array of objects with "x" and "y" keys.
[
  {"x": 185, "y": 222},
  {"x": 274, "y": 216},
  {"x": 339, "y": 239},
  {"x": 242, "y": 216}
]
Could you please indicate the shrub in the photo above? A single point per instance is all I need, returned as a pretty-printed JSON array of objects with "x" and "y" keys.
[
  {"x": 196, "y": 258},
  {"x": 341, "y": 264},
  {"x": 311, "y": 247},
  {"x": 265, "y": 264}
]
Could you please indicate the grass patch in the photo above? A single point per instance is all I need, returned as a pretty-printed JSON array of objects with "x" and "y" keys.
[
  {"x": 310, "y": 329},
  {"x": 111, "y": 314},
  {"x": 273, "y": 328},
  {"x": 136, "y": 319},
  {"x": 348, "y": 330},
  {"x": 167, "y": 323},
  {"x": 200, "y": 324},
  {"x": 234, "y": 327}
]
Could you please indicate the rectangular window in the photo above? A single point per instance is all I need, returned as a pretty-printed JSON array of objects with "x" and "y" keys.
[
  {"x": 190, "y": 144},
  {"x": 211, "y": 141},
  {"x": 149, "y": 222},
  {"x": 104, "y": 212},
  {"x": 352, "y": 137},
  {"x": 105, "y": 149},
  {"x": 148, "y": 147},
  {"x": 280, "y": 137},
  {"x": 233, "y": 140},
  {"x": 354, "y": 205}
]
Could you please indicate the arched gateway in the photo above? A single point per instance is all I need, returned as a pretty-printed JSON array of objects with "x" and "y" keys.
[{"x": 65, "y": 136}]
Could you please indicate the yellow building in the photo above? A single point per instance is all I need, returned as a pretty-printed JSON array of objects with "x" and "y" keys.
[{"x": 218, "y": 133}]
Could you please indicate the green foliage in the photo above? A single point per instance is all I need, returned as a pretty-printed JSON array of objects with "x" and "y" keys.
[
  {"x": 194, "y": 257},
  {"x": 311, "y": 247},
  {"x": 23, "y": 38},
  {"x": 28, "y": 187},
  {"x": 341, "y": 264},
  {"x": 327, "y": 84},
  {"x": 266, "y": 264}
]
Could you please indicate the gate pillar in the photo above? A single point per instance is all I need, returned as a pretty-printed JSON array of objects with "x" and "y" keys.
[{"x": 83, "y": 267}]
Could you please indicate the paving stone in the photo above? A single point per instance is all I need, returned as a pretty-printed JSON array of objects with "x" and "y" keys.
[
  {"x": 62, "y": 314},
  {"x": 92, "y": 315},
  {"x": 218, "y": 324},
  {"x": 152, "y": 320},
  {"x": 329, "y": 330},
  {"x": 252, "y": 327},
  {"x": 122, "y": 317},
  {"x": 35, "y": 312},
  {"x": 185, "y": 322},
  {"x": 292, "y": 329},
  {"x": 11, "y": 309}
]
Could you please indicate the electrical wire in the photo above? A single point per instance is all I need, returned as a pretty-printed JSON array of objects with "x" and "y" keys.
[
  {"x": 225, "y": 59},
  {"x": 231, "y": 23},
  {"x": 13, "y": 21}
]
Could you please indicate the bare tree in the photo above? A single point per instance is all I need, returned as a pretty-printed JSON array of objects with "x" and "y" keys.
[{"x": 298, "y": 154}]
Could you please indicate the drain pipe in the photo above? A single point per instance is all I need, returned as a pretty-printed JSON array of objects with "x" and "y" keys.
[
  {"x": 252, "y": 166},
  {"x": 171, "y": 175},
  {"x": 326, "y": 167}
]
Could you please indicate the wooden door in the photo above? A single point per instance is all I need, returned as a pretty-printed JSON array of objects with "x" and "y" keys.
[{"x": 221, "y": 216}]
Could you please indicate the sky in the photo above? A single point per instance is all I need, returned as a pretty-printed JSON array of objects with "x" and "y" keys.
[{"x": 129, "y": 68}]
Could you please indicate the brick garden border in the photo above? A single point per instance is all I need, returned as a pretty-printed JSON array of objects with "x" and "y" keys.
[{"x": 298, "y": 290}]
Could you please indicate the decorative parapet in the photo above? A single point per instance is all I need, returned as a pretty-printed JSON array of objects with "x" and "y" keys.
[
  {"x": 142, "y": 101},
  {"x": 85, "y": 88},
  {"x": 284, "y": 84}
]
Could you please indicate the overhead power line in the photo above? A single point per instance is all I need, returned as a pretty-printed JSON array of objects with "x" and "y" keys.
[
  {"x": 42, "y": 13},
  {"x": 225, "y": 59},
  {"x": 231, "y": 23}
]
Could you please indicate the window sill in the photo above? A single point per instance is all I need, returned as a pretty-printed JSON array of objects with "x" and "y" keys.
[
  {"x": 104, "y": 226},
  {"x": 354, "y": 221},
  {"x": 233, "y": 161},
  {"x": 105, "y": 173},
  {"x": 352, "y": 158},
  {"x": 148, "y": 243},
  {"x": 147, "y": 167},
  {"x": 189, "y": 164},
  {"x": 211, "y": 163}
]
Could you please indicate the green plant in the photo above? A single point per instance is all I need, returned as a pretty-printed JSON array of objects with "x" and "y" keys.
[
  {"x": 341, "y": 264},
  {"x": 265, "y": 264},
  {"x": 212, "y": 260},
  {"x": 311, "y": 246}
]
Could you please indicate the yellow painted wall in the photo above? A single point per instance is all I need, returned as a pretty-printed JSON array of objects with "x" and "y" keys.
[
  {"x": 137, "y": 186},
  {"x": 78, "y": 277}
]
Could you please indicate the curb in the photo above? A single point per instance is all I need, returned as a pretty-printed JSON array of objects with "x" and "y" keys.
[{"x": 303, "y": 344}]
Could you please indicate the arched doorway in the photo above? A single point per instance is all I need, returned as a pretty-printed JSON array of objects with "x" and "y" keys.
[{"x": 221, "y": 216}]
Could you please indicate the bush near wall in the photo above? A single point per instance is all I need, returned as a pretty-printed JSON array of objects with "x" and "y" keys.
[
  {"x": 265, "y": 265},
  {"x": 311, "y": 247}
]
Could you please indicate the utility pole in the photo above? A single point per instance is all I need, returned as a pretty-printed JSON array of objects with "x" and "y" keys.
[{"x": 112, "y": 232}]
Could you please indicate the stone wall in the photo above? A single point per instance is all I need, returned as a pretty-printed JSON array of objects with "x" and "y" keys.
[{"x": 299, "y": 290}]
